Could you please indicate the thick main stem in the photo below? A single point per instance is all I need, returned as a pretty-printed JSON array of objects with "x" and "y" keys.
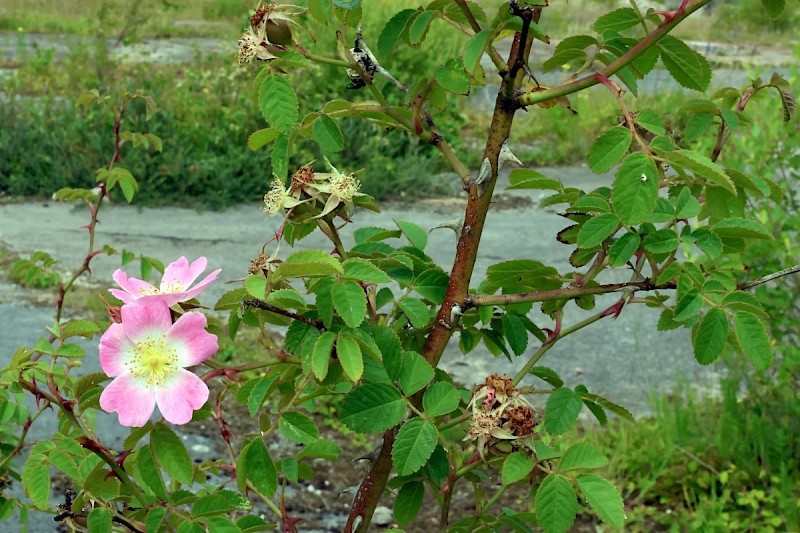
[{"x": 371, "y": 488}]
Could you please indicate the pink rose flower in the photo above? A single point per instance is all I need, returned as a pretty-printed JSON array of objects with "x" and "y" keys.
[
  {"x": 175, "y": 284},
  {"x": 147, "y": 355}
]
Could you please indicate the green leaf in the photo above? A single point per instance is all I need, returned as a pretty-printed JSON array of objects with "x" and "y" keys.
[
  {"x": 517, "y": 466},
  {"x": 623, "y": 249},
  {"x": 582, "y": 455},
  {"x": 604, "y": 499},
  {"x": 258, "y": 393},
  {"x": 350, "y": 302},
  {"x": 347, "y": 4},
  {"x": 408, "y": 502},
  {"x": 372, "y": 408},
  {"x": 579, "y": 42},
  {"x": 36, "y": 480},
  {"x": 307, "y": 263},
  {"x": 278, "y": 103},
  {"x": 149, "y": 472},
  {"x": 83, "y": 328},
  {"x": 414, "y": 444},
  {"x": 688, "y": 306},
  {"x": 416, "y": 235},
  {"x": 432, "y": 284},
  {"x": 350, "y": 357},
  {"x": 617, "y": 20},
  {"x": 609, "y": 148},
  {"x": 523, "y": 178},
  {"x": 419, "y": 27},
  {"x": 564, "y": 57},
  {"x": 169, "y": 451},
  {"x": 452, "y": 76},
  {"x": 362, "y": 270},
  {"x": 416, "y": 311},
  {"x": 280, "y": 158},
  {"x": 635, "y": 189},
  {"x": 697, "y": 125},
  {"x": 711, "y": 336},
  {"x": 690, "y": 69},
  {"x": 515, "y": 333},
  {"x": 322, "y": 449},
  {"x": 320, "y": 357},
  {"x": 741, "y": 228},
  {"x": 651, "y": 121},
  {"x": 752, "y": 337},
  {"x": 256, "y": 286},
  {"x": 99, "y": 520},
  {"x": 222, "y": 501},
  {"x": 774, "y": 8},
  {"x": 259, "y": 468},
  {"x": 261, "y": 138},
  {"x": 328, "y": 134},
  {"x": 474, "y": 50},
  {"x": 155, "y": 516},
  {"x": 519, "y": 275},
  {"x": 298, "y": 427},
  {"x": 661, "y": 242},
  {"x": 590, "y": 203},
  {"x": 700, "y": 166},
  {"x": 440, "y": 398},
  {"x": 392, "y": 31},
  {"x": 415, "y": 373},
  {"x": 556, "y": 505},
  {"x": 562, "y": 410},
  {"x": 547, "y": 375},
  {"x": 597, "y": 229}
]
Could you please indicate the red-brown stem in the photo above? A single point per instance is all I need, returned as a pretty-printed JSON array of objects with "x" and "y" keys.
[
  {"x": 371, "y": 488},
  {"x": 686, "y": 9}
]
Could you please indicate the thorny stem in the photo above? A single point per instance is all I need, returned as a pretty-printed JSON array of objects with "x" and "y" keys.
[
  {"x": 260, "y": 304},
  {"x": 447, "y": 497},
  {"x": 617, "y": 92},
  {"x": 674, "y": 18},
  {"x": 560, "y": 294},
  {"x": 495, "y": 497},
  {"x": 371, "y": 488},
  {"x": 94, "y": 209},
  {"x": 770, "y": 277}
]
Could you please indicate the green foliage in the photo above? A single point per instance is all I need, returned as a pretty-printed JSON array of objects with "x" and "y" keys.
[{"x": 350, "y": 339}]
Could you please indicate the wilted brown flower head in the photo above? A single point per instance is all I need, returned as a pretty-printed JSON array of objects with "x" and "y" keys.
[
  {"x": 500, "y": 412},
  {"x": 268, "y": 31}
]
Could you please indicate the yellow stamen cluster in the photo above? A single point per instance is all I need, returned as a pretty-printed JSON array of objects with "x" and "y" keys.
[
  {"x": 169, "y": 287},
  {"x": 344, "y": 186},
  {"x": 274, "y": 199},
  {"x": 153, "y": 360}
]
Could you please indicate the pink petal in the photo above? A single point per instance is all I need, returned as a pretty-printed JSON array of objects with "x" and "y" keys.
[
  {"x": 114, "y": 350},
  {"x": 123, "y": 296},
  {"x": 197, "y": 289},
  {"x": 167, "y": 299},
  {"x": 180, "y": 272},
  {"x": 133, "y": 286},
  {"x": 140, "y": 320},
  {"x": 189, "y": 336},
  {"x": 185, "y": 393},
  {"x": 133, "y": 402}
]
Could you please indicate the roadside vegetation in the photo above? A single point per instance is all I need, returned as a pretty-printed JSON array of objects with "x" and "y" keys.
[{"x": 693, "y": 465}]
